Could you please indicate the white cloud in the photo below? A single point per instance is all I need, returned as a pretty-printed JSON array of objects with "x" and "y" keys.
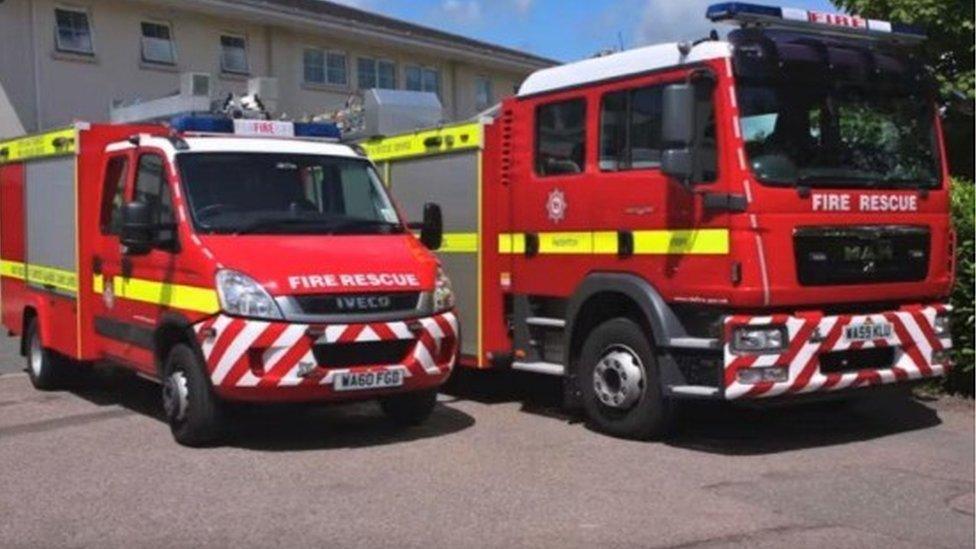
[
  {"x": 462, "y": 11},
  {"x": 523, "y": 6}
]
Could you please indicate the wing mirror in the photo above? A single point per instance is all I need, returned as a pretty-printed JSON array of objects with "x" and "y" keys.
[{"x": 432, "y": 227}]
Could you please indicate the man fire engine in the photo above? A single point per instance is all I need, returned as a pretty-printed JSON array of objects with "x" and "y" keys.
[
  {"x": 230, "y": 260},
  {"x": 759, "y": 218}
]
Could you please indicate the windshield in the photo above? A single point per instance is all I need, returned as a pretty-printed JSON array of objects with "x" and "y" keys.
[
  {"x": 273, "y": 193},
  {"x": 838, "y": 116}
]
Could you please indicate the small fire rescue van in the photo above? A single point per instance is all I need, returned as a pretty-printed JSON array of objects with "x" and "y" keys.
[
  {"x": 759, "y": 218},
  {"x": 230, "y": 260}
]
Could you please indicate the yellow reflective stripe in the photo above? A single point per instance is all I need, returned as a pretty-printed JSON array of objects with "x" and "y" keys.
[
  {"x": 509, "y": 243},
  {"x": 98, "y": 284},
  {"x": 459, "y": 243},
  {"x": 177, "y": 296},
  {"x": 425, "y": 142},
  {"x": 566, "y": 243},
  {"x": 682, "y": 242},
  {"x": 50, "y": 276},
  {"x": 652, "y": 242},
  {"x": 59, "y": 142},
  {"x": 12, "y": 269}
]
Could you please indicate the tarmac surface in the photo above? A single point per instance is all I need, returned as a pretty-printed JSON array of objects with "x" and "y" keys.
[{"x": 498, "y": 465}]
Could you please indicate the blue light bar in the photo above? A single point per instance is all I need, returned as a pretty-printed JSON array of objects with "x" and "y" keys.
[
  {"x": 837, "y": 23},
  {"x": 202, "y": 124},
  {"x": 193, "y": 123}
]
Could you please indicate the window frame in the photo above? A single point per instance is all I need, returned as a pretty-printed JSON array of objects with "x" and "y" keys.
[
  {"x": 107, "y": 206},
  {"x": 423, "y": 68},
  {"x": 247, "y": 54},
  {"x": 172, "y": 42},
  {"x": 168, "y": 244},
  {"x": 628, "y": 129},
  {"x": 479, "y": 78},
  {"x": 584, "y": 100},
  {"x": 57, "y": 30},
  {"x": 326, "y": 52},
  {"x": 377, "y": 61}
]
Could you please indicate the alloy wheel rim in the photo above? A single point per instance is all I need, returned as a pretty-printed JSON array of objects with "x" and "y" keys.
[
  {"x": 176, "y": 396},
  {"x": 618, "y": 379}
]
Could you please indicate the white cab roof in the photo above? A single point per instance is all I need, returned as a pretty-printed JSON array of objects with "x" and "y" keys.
[
  {"x": 621, "y": 64},
  {"x": 257, "y": 144}
]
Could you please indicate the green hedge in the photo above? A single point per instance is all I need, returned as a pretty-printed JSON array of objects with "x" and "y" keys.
[{"x": 961, "y": 378}]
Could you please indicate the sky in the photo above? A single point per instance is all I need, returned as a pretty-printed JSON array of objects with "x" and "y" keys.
[{"x": 565, "y": 30}]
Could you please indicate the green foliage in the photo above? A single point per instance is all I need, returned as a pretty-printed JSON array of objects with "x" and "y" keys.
[
  {"x": 961, "y": 380},
  {"x": 948, "y": 50}
]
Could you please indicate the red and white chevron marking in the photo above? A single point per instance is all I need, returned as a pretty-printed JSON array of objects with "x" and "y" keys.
[
  {"x": 913, "y": 338},
  {"x": 231, "y": 347}
]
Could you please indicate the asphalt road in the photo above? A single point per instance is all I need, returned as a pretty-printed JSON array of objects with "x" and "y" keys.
[{"x": 498, "y": 465}]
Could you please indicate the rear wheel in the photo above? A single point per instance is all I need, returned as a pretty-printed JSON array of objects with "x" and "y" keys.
[
  {"x": 192, "y": 410},
  {"x": 45, "y": 369},
  {"x": 620, "y": 382},
  {"x": 409, "y": 408}
]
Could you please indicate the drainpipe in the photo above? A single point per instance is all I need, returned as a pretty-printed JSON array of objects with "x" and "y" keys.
[{"x": 37, "y": 66}]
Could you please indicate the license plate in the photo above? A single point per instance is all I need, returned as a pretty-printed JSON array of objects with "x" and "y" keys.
[
  {"x": 361, "y": 381},
  {"x": 867, "y": 331}
]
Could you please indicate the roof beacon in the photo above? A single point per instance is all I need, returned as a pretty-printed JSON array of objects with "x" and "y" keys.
[
  {"x": 836, "y": 23},
  {"x": 253, "y": 127}
]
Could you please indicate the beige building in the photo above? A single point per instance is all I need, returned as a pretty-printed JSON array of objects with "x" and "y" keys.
[{"x": 62, "y": 60}]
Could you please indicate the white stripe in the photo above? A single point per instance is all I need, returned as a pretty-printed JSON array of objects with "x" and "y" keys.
[
  {"x": 400, "y": 330},
  {"x": 248, "y": 380},
  {"x": 760, "y": 320},
  {"x": 333, "y": 333},
  {"x": 742, "y": 159},
  {"x": 218, "y": 327},
  {"x": 732, "y": 98},
  {"x": 291, "y": 378},
  {"x": 920, "y": 341},
  {"x": 367, "y": 334},
  {"x": 433, "y": 327},
  {"x": 425, "y": 360},
  {"x": 282, "y": 345},
  {"x": 252, "y": 330}
]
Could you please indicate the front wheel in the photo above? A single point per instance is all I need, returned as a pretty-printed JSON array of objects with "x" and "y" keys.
[
  {"x": 620, "y": 382},
  {"x": 409, "y": 408},
  {"x": 193, "y": 412},
  {"x": 44, "y": 368}
]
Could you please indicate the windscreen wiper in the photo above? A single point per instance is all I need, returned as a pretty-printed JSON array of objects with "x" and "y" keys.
[
  {"x": 360, "y": 223},
  {"x": 272, "y": 222}
]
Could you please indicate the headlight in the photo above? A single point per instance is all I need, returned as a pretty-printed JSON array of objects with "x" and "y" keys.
[
  {"x": 760, "y": 339},
  {"x": 240, "y": 295},
  {"x": 942, "y": 324},
  {"x": 443, "y": 293}
]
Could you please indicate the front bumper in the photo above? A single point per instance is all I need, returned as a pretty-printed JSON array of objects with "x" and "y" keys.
[
  {"x": 916, "y": 352},
  {"x": 261, "y": 361}
]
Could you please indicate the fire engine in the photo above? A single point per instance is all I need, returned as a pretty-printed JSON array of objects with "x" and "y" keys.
[
  {"x": 756, "y": 219},
  {"x": 231, "y": 260}
]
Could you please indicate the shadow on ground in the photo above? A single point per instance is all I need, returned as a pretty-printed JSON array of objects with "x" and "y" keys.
[
  {"x": 721, "y": 428},
  {"x": 281, "y": 427}
]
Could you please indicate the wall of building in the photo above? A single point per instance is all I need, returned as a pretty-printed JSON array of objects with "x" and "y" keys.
[{"x": 67, "y": 86}]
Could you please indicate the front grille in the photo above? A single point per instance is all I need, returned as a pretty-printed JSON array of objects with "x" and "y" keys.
[
  {"x": 828, "y": 256},
  {"x": 858, "y": 359},
  {"x": 369, "y": 353},
  {"x": 340, "y": 304}
]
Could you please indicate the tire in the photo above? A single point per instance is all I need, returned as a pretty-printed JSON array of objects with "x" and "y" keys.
[
  {"x": 192, "y": 410},
  {"x": 409, "y": 408},
  {"x": 44, "y": 368},
  {"x": 621, "y": 384}
]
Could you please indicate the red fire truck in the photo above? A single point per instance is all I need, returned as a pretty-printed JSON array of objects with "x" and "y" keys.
[
  {"x": 759, "y": 218},
  {"x": 231, "y": 260}
]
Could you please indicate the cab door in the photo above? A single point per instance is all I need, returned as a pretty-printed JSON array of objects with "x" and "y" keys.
[{"x": 110, "y": 316}]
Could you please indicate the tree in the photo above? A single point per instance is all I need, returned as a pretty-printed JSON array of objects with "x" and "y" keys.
[{"x": 949, "y": 51}]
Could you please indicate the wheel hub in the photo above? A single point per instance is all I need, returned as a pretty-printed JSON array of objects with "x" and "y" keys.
[
  {"x": 618, "y": 379},
  {"x": 176, "y": 396}
]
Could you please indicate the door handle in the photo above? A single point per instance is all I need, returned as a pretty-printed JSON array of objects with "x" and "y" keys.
[{"x": 126, "y": 267}]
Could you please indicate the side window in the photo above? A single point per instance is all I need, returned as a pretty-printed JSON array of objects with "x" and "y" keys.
[
  {"x": 152, "y": 189},
  {"x": 630, "y": 129},
  {"x": 706, "y": 136},
  {"x": 560, "y": 138},
  {"x": 113, "y": 194}
]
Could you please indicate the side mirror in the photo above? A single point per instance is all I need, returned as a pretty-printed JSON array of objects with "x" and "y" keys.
[
  {"x": 678, "y": 132},
  {"x": 432, "y": 231},
  {"x": 138, "y": 231}
]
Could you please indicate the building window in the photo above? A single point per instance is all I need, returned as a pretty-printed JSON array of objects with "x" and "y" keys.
[
  {"x": 560, "y": 138},
  {"x": 157, "y": 43},
  {"x": 483, "y": 96},
  {"x": 233, "y": 54},
  {"x": 630, "y": 129},
  {"x": 373, "y": 73},
  {"x": 73, "y": 33},
  {"x": 324, "y": 67},
  {"x": 423, "y": 79}
]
